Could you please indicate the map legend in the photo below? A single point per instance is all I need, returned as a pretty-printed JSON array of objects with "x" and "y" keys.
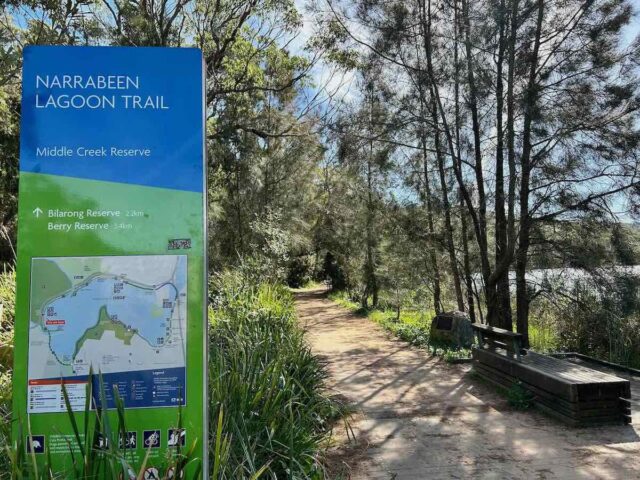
[{"x": 46, "y": 395}]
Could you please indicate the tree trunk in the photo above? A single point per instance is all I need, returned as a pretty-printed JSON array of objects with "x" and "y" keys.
[
  {"x": 530, "y": 101},
  {"x": 467, "y": 266},
  {"x": 476, "y": 216},
  {"x": 491, "y": 297},
  {"x": 447, "y": 207},
  {"x": 237, "y": 203},
  {"x": 463, "y": 217},
  {"x": 511, "y": 153},
  {"x": 501, "y": 248},
  {"x": 437, "y": 302},
  {"x": 371, "y": 282}
]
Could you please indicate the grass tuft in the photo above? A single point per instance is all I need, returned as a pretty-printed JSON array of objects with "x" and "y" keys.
[{"x": 269, "y": 385}]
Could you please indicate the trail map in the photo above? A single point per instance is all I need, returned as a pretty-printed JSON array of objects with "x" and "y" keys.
[{"x": 114, "y": 314}]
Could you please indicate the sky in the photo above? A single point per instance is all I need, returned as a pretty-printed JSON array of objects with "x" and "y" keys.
[
  {"x": 343, "y": 84},
  {"x": 632, "y": 30}
]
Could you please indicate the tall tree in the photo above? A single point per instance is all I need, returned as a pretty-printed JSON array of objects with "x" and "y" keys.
[{"x": 550, "y": 102}]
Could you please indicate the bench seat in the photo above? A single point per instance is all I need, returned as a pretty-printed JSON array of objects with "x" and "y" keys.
[{"x": 573, "y": 393}]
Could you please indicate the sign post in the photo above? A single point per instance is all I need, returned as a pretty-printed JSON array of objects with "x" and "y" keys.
[{"x": 111, "y": 256}]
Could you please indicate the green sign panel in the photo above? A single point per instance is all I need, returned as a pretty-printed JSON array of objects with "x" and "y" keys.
[{"x": 111, "y": 261}]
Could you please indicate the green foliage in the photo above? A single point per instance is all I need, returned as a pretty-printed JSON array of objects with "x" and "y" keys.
[
  {"x": 300, "y": 271},
  {"x": 412, "y": 326},
  {"x": 333, "y": 272},
  {"x": 5, "y": 419},
  {"x": 596, "y": 317},
  {"x": 270, "y": 253},
  {"x": 623, "y": 245},
  {"x": 330, "y": 39},
  {"x": 263, "y": 151},
  {"x": 457, "y": 355},
  {"x": 265, "y": 379},
  {"x": 9, "y": 145},
  {"x": 519, "y": 397},
  {"x": 342, "y": 299},
  {"x": 112, "y": 461},
  {"x": 313, "y": 284},
  {"x": 543, "y": 337},
  {"x": 7, "y": 305}
]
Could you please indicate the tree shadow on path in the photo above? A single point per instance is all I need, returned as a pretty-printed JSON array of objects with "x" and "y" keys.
[{"x": 419, "y": 417}]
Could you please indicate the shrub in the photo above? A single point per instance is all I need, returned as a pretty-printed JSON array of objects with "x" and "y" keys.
[
  {"x": 265, "y": 379},
  {"x": 7, "y": 300},
  {"x": 519, "y": 397},
  {"x": 300, "y": 271}
]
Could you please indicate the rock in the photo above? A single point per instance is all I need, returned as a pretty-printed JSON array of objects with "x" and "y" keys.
[{"x": 452, "y": 327}]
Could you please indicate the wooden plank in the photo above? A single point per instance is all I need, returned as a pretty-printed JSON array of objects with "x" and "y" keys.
[
  {"x": 558, "y": 387},
  {"x": 571, "y": 409},
  {"x": 563, "y": 418},
  {"x": 487, "y": 329},
  {"x": 553, "y": 376},
  {"x": 593, "y": 362},
  {"x": 604, "y": 391},
  {"x": 569, "y": 406},
  {"x": 569, "y": 371},
  {"x": 590, "y": 422},
  {"x": 578, "y": 396},
  {"x": 610, "y": 416}
]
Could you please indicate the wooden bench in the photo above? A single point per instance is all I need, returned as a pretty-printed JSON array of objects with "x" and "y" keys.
[
  {"x": 575, "y": 394},
  {"x": 493, "y": 337}
]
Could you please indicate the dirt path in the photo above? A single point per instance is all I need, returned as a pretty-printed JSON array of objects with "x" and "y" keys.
[{"x": 421, "y": 418}]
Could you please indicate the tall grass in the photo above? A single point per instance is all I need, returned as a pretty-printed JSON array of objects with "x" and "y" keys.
[
  {"x": 270, "y": 387},
  {"x": 543, "y": 337},
  {"x": 7, "y": 306},
  {"x": 112, "y": 461},
  {"x": 270, "y": 416}
]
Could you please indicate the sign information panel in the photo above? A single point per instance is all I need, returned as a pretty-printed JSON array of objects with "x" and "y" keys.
[{"x": 111, "y": 254}]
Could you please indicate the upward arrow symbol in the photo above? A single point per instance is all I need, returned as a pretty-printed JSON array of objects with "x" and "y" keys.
[{"x": 37, "y": 212}]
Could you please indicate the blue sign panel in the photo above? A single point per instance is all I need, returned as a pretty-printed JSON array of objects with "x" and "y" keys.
[{"x": 130, "y": 109}]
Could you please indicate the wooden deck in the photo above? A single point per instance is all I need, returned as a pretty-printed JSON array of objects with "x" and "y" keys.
[
  {"x": 634, "y": 380},
  {"x": 574, "y": 393}
]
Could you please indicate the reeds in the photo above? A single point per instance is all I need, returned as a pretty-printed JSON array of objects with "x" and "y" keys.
[
  {"x": 263, "y": 376},
  {"x": 111, "y": 461}
]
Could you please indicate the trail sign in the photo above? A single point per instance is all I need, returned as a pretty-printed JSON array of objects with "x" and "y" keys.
[{"x": 111, "y": 254}]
